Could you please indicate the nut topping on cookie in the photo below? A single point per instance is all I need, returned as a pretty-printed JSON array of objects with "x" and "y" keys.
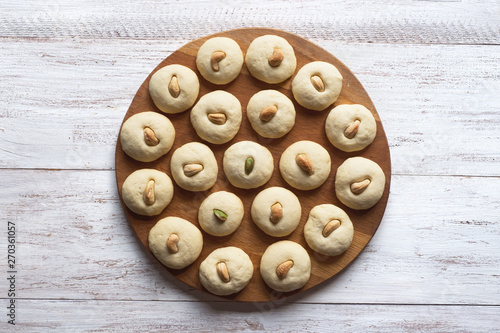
[
  {"x": 223, "y": 272},
  {"x": 220, "y": 214},
  {"x": 351, "y": 130},
  {"x": 249, "y": 163},
  {"x": 268, "y": 113},
  {"x": 173, "y": 87},
  {"x": 359, "y": 187},
  {"x": 317, "y": 82},
  {"x": 192, "y": 169},
  {"x": 330, "y": 227},
  {"x": 304, "y": 163},
  {"x": 276, "y": 58},
  {"x": 150, "y": 137},
  {"x": 217, "y": 118},
  {"x": 172, "y": 241},
  {"x": 283, "y": 268},
  {"x": 149, "y": 193},
  {"x": 276, "y": 212},
  {"x": 217, "y": 56}
]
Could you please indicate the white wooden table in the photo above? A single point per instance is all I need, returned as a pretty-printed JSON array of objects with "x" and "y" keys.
[{"x": 69, "y": 70}]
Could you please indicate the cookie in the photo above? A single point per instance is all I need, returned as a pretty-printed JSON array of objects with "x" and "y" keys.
[
  {"x": 147, "y": 191},
  {"x": 174, "y": 88},
  {"x": 270, "y": 59},
  {"x": 271, "y": 113},
  {"x": 305, "y": 165},
  {"x": 350, "y": 127},
  {"x": 359, "y": 183},
  {"x": 285, "y": 266},
  {"x": 216, "y": 117},
  {"x": 175, "y": 242},
  {"x": 226, "y": 271},
  {"x": 146, "y": 136},
  {"x": 248, "y": 164},
  {"x": 276, "y": 211},
  {"x": 317, "y": 85},
  {"x": 220, "y": 214},
  {"x": 194, "y": 167},
  {"x": 328, "y": 230},
  {"x": 219, "y": 60}
]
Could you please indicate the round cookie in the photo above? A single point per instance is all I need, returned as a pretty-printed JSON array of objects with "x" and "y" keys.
[
  {"x": 194, "y": 167},
  {"x": 226, "y": 271},
  {"x": 305, "y": 165},
  {"x": 276, "y": 211},
  {"x": 147, "y": 191},
  {"x": 216, "y": 117},
  {"x": 219, "y": 60},
  {"x": 277, "y": 270},
  {"x": 146, "y": 136},
  {"x": 175, "y": 242},
  {"x": 220, "y": 214},
  {"x": 270, "y": 59},
  {"x": 271, "y": 113},
  {"x": 248, "y": 164},
  {"x": 328, "y": 230},
  {"x": 359, "y": 183},
  {"x": 317, "y": 85},
  {"x": 350, "y": 127},
  {"x": 174, "y": 88}
]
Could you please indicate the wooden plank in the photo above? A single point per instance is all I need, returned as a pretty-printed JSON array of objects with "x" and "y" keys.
[
  {"x": 441, "y": 22},
  {"x": 437, "y": 244},
  {"x": 116, "y": 316},
  {"x": 65, "y": 101}
]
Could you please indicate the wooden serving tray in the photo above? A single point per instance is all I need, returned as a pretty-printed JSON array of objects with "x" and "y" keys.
[{"x": 309, "y": 125}]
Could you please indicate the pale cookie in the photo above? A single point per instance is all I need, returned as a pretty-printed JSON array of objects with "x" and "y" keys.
[
  {"x": 305, "y": 165},
  {"x": 216, "y": 117},
  {"x": 226, "y": 271},
  {"x": 271, "y": 113},
  {"x": 175, "y": 242},
  {"x": 350, "y": 127},
  {"x": 174, "y": 88},
  {"x": 220, "y": 214},
  {"x": 219, "y": 60},
  {"x": 146, "y": 136},
  {"x": 317, "y": 85},
  {"x": 147, "y": 191},
  {"x": 271, "y": 59},
  {"x": 194, "y": 167},
  {"x": 248, "y": 164},
  {"x": 276, "y": 211},
  {"x": 359, "y": 183},
  {"x": 285, "y": 266},
  {"x": 328, "y": 230}
]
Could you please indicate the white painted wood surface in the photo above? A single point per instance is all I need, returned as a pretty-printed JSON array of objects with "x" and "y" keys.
[{"x": 69, "y": 71}]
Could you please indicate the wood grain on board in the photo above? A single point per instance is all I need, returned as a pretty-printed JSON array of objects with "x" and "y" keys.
[{"x": 309, "y": 125}]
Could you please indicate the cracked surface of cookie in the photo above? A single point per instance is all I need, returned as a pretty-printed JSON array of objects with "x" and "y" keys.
[
  {"x": 147, "y": 136},
  {"x": 328, "y": 230},
  {"x": 317, "y": 85},
  {"x": 271, "y": 113},
  {"x": 175, "y": 242},
  {"x": 174, "y": 88},
  {"x": 271, "y": 59},
  {"x": 350, "y": 127},
  {"x": 147, "y": 191},
  {"x": 216, "y": 117},
  {"x": 359, "y": 183},
  {"x": 194, "y": 167},
  {"x": 219, "y": 60}
]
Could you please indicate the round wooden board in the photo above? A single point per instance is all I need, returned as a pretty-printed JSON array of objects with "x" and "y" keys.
[{"x": 309, "y": 125}]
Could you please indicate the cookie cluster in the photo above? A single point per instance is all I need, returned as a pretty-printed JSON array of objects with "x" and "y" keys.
[{"x": 305, "y": 165}]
